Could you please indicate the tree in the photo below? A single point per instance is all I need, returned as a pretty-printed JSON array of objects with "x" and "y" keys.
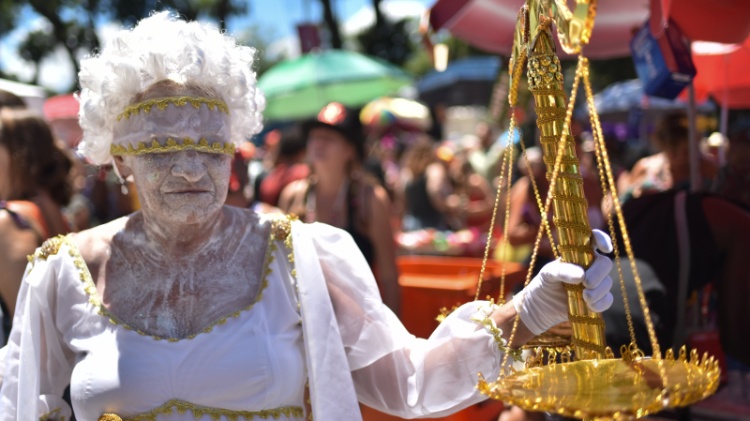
[
  {"x": 37, "y": 45},
  {"x": 332, "y": 23},
  {"x": 77, "y": 35},
  {"x": 130, "y": 11},
  {"x": 69, "y": 34},
  {"x": 389, "y": 41}
]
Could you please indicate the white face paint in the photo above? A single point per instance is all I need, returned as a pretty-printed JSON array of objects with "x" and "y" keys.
[{"x": 183, "y": 187}]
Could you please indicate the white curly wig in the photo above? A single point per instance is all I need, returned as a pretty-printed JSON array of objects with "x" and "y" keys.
[{"x": 164, "y": 47}]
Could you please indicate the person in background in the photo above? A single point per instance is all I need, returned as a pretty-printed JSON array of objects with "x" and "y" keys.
[
  {"x": 340, "y": 193},
  {"x": 288, "y": 165},
  {"x": 35, "y": 185},
  {"x": 669, "y": 168},
  {"x": 485, "y": 157},
  {"x": 473, "y": 190},
  {"x": 425, "y": 189}
]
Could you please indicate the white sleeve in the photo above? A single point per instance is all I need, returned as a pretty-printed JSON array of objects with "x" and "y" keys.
[
  {"x": 37, "y": 363},
  {"x": 394, "y": 371}
]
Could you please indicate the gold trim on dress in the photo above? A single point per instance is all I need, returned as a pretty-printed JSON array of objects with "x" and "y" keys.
[
  {"x": 46, "y": 416},
  {"x": 90, "y": 289},
  {"x": 497, "y": 334},
  {"x": 198, "y": 411},
  {"x": 50, "y": 247},
  {"x": 172, "y": 146},
  {"x": 179, "y": 101},
  {"x": 281, "y": 229}
]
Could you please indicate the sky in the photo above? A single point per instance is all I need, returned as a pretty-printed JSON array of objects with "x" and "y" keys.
[{"x": 276, "y": 18}]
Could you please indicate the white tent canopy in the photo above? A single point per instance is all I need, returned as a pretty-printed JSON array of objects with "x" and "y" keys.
[{"x": 33, "y": 95}]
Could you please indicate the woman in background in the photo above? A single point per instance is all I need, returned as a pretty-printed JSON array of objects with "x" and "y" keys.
[
  {"x": 340, "y": 193},
  {"x": 34, "y": 186}
]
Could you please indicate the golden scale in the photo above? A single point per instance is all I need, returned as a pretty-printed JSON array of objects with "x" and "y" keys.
[{"x": 581, "y": 377}]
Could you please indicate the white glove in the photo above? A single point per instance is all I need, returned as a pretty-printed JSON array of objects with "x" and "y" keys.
[{"x": 543, "y": 303}]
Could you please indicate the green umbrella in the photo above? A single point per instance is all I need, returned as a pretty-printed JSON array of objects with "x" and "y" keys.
[{"x": 301, "y": 87}]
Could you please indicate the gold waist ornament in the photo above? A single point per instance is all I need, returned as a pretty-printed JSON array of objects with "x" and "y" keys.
[{"x": 582, "y": 379}]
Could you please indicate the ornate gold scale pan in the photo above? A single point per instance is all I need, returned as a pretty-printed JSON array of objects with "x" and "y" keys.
[{"x": 582, "y": 379}]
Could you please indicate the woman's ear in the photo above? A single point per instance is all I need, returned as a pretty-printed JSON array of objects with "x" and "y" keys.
[{"x": 122, "y": 168}]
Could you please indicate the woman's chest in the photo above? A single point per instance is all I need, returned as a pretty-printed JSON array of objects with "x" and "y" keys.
[
  {"x": 252, "y": 360},
  {"x": 179, "y": 300}
]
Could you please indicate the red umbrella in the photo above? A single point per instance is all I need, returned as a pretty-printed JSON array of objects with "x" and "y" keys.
[
  {"x": 725, "y": 21},
  {"x": 490, "y": 24},
  {"x": 722, "y": 73}
]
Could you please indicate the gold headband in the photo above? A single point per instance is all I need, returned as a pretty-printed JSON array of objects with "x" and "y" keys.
[
  {"x": 172, "y": 146},
  {"x": 174, "y": 127},
  {"x": 180, "y": 101}
]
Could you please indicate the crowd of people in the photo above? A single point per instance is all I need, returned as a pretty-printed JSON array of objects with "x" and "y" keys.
[{"x": 161, "y": 299}]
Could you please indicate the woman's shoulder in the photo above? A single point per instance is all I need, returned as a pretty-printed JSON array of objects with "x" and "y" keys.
[{"x": 94, "y": 243}]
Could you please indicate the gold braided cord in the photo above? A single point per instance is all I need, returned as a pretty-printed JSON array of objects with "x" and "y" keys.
[
  {"x": 550, "y": 111},
  {"x": 179, "y": 101},
  {"x": 565, "y": 161},
  {"x": 198, "y": 411},
  {"x": 586, "y": 320},
  {"x": 554, "y": 139},
  {"x": 588, "y": 346},
  {"x": 506, "y": 240},
  {"x": 492, "y": 221},
  {"x": 171, "y": 145},
  {"x": 571, "y": 225},
  {"x": 621, "y": 221},
  {"x": 540, "y": 206},
  {"x": 610, "y": 190},
  {"x": 548, "y": 118},
  {"x": 572, "y": 199}
]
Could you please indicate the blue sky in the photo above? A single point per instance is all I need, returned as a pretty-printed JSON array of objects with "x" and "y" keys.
[{"x": 276, "y": 18}]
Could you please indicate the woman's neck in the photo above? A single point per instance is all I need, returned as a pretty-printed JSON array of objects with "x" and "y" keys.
[
  {"x": 329, "y": 183},
  {"x": 175, "y": 238}
]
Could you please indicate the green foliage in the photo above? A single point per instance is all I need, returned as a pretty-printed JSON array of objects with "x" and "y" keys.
[
  {"x": 9, "y": 10},
  {"x": 72, "y": 21},
  {"x": 389, "y": 41},
  {"x": 131, "y": 11}
]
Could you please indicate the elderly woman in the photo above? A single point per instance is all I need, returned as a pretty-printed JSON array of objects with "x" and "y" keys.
[{"x": 192, "y": 310}]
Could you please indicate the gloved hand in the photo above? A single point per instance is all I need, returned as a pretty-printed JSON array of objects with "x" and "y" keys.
[{"x": 543, "y": 303}]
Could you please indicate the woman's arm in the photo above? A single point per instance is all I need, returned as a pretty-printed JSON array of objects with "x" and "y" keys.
[
  {"x": 292, "y": 197},
  {"x": 381, "y": 234},
  {"x": 398, "y": 373},
  {"x": 15, "y": 245}
]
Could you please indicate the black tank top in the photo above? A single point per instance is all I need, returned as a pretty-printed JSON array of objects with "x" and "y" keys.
[
  {"x": 419, "y": 206},
  {"x": 353, "y": 207},
  {"x": 650, "y": 220}
]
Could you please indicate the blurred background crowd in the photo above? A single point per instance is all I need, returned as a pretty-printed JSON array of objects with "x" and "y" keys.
[{"x": 397, "y": 135}]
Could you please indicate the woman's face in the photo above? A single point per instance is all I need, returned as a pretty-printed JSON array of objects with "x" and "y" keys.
[
  {"x": 327, "y": 149},
  {"x": 4, "y": 173},
  {"x": 186, "y": 186}
]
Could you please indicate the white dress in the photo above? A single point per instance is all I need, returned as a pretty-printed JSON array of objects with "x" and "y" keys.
[{"x": 318, "y": 321}]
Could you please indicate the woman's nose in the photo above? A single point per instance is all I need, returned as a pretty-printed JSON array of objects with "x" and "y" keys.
[{"x": 189, "y": 166}]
